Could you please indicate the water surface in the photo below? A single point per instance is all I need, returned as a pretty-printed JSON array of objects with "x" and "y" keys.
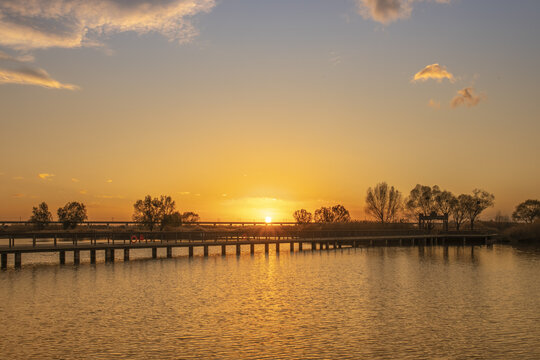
[{"x": 391, "y": 303}]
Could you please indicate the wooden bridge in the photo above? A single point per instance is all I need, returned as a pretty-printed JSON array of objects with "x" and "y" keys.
[{"x": 110, "y": 242}]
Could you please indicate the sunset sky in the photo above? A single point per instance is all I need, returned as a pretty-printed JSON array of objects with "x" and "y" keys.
[{"x": 242, "y": 109}]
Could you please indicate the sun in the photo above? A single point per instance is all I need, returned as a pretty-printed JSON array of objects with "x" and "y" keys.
[{"x": 268, "y": 219}]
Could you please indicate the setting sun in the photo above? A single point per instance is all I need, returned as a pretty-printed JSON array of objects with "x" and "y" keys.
[{"x": 268, "y": 219}]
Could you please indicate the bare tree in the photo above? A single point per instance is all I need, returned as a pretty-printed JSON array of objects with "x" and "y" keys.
[
  {"x": 421, "y": 200},
  {"x": 324, "y": 215},
  {"x": 190, "y": 217},
  {"x": 41, "y": 216},
  {"x": 457, "y": 210},
  {"x": 474, "y": 204},
  {"x": 443, "y": 200},
  {"x": 528, "y": 211},
  {"x": 383, "y": 202},
  {"x": 341, "y": 215},
  {"x": 302, "y": 216}
]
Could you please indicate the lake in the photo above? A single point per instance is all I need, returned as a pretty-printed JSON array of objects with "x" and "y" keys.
[{"x": 388, "y": 303}]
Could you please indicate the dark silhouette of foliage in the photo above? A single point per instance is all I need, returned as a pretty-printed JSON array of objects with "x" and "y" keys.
[
  {"x": 190, "y": 217},
  {"x": 150, "y": 211},
  {"x": 457, "y": 210},
  {"x": 334, "y": 214},
  {"x": 528, "y": 211},
  {"x": 302, "y": 216},
  {"x": 443, "y": 200},
  {"x": 41, "y": 216},
  {"x": 72, "y": 214},
  {"x": 474, "y": 204},
  {"x": 383, "y": 202},
  {"x": 421, "y": 200},
  {"x": 174, "y": 220}
]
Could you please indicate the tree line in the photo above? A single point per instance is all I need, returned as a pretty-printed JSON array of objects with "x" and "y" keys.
[
  {"x": 386, "y": 204},
  {"x": 149, "y": 212}
]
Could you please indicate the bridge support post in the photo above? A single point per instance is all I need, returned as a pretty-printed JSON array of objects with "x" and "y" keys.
[
  {"x": 17, "y": 260},
  {"x": 190, "y": 251},
  {"x": 335, "y": 244},
  {"x": 252, "y": 249},
  {"x": 291, "y": 245},
  {"x": 339, "y": 245},
  {"x": 76, "y": 257},
  {"x": 62, "y": 256},
  {"x": 92, "y": 256},
  {"x": 126, "y": 254},
  {"x": 154, "y": 253},
  {"x": 111, "y": 255},
  {"x": 266, "y": 246},
  {"x": 169, "y": 251},
  {"x": 238, "y": 249},
  {"x": 223, "y": 250},
  {"x": 327, "y": 245},
  {"x": 354, "y": 244},
  {"x": 400, "y": 242},
  {"x": 3, "y": 261},
  {"x": 313, "y": 246},
  {"x": 371, "y": 242},
  {"x": 205, "y": 248},
  {"x": 300, "y": 247},
  {"x": 277, "y": 248},
  {"x": 464, "y": 241}
]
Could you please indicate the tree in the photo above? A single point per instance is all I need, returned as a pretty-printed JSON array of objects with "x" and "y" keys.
[
  {"x": 422, "y": 200},
  {"x": 383, "y": 202},
  {"x": 324, "y": 215},
  {"x": 152, "y": 211},
  {"x": 174, "y": 220},
  {"x": 41, "y": 216},
  {"x": 334, "y": 214},
  {"x": 190, "y": 217},
  {"x": 528, "y": 211},
  {"x": 341, "y": 215},
  {"x": 302, "y": 216},
  {"x": 474, "y": 204},
  {"x": 443, "y": 200},
  {"x": 457, "y": 210},
  {"x": 72, "y": 214}
]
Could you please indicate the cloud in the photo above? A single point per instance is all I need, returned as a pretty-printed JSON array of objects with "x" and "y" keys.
[
  {"x": 32, "y": 76},
  {"x": 18, "y": 178},
  {"x": 83, "y": 192},
  {"x": 108, "y": 181},
  {"x": 387, "y": 11},
  {"x": 435, "y": 72},
  {"x": 45, "y": 176},
  {"x": 38, "y": 24},
  {"x": 434, "y": 104},
  {"x": 466, "y": 96},
  {"x": 19, "y": 195},
  {"x": 75, "y": 180},
  {"x": 184, "y": 193}
]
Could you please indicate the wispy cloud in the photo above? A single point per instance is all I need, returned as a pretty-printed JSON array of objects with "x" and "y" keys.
[
  {"x": 434, "y": 104},
  {"x": 466, "y": 96},
  {"x": 184, "y": 193},
  {"x": 75, "y": 180},
  {"x": 45, "y": 176},
  {"x": 83, "y": 192},
  {"x": 33, "y": 24},
  {"x": 435, "y": 72},
  {"x": 18, "y": 178},
  {"x": 387, "y": 11},
  {"x": 20, "y": 195},
  {"x": 32, "y": 76},
  {"x": 108, "y": 181}
]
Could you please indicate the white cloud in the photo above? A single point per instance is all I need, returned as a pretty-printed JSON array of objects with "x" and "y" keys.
[
  {"x": 387, "y": 11},
  {"x": 466, "y": 96},
  {"x": 33, "y": 24},
  {"x": 435, "y": 72},
  {"x": 434, "y": 104}
]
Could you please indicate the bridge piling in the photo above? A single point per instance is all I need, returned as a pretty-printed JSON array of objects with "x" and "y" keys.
[
  {"x": 154, "y": 253},
  {"x": 300, "y": 246},
  {"x": 205, "y": 248},
  {"x": 291, "y": 246},
  {"x": 17, "y": 260},
  {"x": 62, "y": 256},
  {"x": 238, "y": 249},
  {"x": 252, "y": 249},
  {"x": 190, "y": 251},
  {"x": 126, "y": 254},
  {"x": 266, "y": 248},
  {"x": 223, "y": 250},
  {"x": 111, "y": 255},
  {"x": 3, "y": 261},
  {"x": 92, "y": 256},
  {"x": 277, "y": 248},
  {"x": 76, "y": 257},
  {"x": 169, "y": 251}
]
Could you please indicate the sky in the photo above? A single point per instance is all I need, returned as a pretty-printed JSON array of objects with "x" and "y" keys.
[{"x": 243, "y": 109}]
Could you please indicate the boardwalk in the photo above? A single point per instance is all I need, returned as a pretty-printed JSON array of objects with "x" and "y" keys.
[{"x": 18, "y": 244}]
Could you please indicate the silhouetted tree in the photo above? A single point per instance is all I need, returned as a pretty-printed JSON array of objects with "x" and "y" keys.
[
  {"x": 302, "y": 216},
  {"x": 421, "y": 200},
  {"x": 383, "y": 202},
  {"x": 528, "y": 211},
  {"x": 41, "y": 216},
  {"x": 190, "y": 217},
  {"x": 457, "y": 210},
  {"x": 334, "y": 214},
  {"x": 324, "y": 215},
  {"x": 150, "y": 211},
  {"x": 174, "y": 220},
  {"x": 341, "y": 215},
  {"x": 72, "y": 214},
  {"x": 474, "y": 204},
  {"x": 443, "y": 200}
]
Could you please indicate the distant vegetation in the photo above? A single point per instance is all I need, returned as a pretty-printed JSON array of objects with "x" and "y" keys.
[
  {"x": 334, "y": 214},
  {"x": 151, "y": 211},
  {"x": 41, "y": 216},
  {"x": 72, "y": 214}
]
